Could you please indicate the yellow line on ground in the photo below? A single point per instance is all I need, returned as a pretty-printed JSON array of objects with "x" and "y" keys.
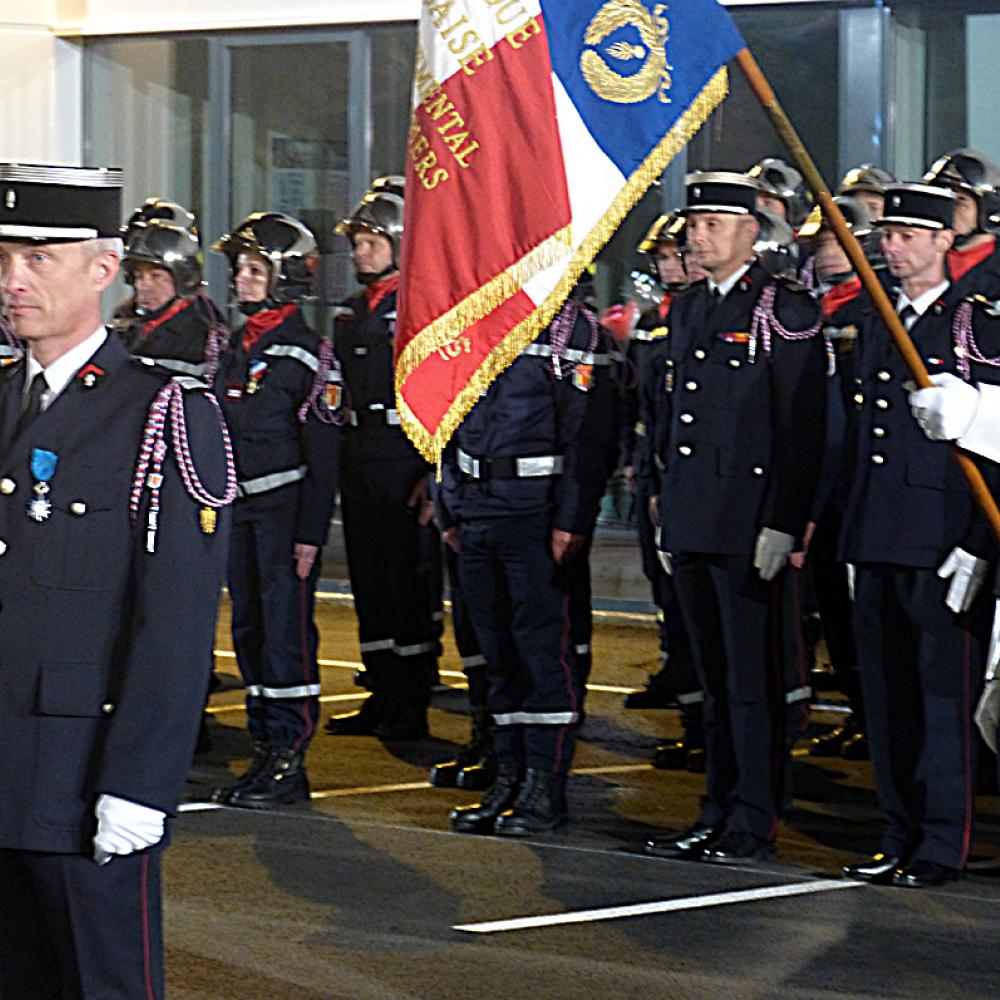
[{"x": 339, "y": 793}]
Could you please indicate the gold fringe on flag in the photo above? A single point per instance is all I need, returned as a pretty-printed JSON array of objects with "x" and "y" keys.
[{"x": 431, "y": 445}]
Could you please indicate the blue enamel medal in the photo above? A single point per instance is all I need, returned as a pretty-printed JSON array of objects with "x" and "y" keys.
[{"x": 43, "y": 468}]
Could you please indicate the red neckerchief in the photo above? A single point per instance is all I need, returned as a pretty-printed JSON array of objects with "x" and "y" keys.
[
  {"x": 668, "y": 297},
  {"x": 962, "y": 261},
  {"x": 839, "y": 296},
  {"x": 263, "y": 322},
  {"x": 150, "y": 325},
  {"x": 378, "y": 290}
]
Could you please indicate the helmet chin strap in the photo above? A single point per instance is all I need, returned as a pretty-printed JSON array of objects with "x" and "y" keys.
[
  {"x": 368, "y": 278},
  {"x": 252, "y": 308},
  {"x": 962, "y": 239}
]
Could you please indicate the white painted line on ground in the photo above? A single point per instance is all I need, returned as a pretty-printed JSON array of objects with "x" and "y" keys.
[{"x": 663, "y": 906}]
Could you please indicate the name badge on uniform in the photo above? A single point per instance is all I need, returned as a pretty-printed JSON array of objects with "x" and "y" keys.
[
  {"x": 234, "y": 392},
  {"x": 583, "y": 377},
  {"x": 257, "y": 369}
]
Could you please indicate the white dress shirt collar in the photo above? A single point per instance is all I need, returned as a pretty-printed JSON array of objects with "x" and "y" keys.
[{"x": 59, "y": 374}]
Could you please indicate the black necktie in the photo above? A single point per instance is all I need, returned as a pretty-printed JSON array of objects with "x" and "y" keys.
[
  {"x": 31, "y": 405},
  {"x": 907, "y": 316}
]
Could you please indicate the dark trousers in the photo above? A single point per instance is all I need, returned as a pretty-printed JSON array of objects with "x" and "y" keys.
[
  {"x": 274, "y": 634},
  {"x": 920, "y": 664},
  {"x": 394, "y": 564},
  {"x": 73, "y": 930},
  {"x": 674, "y": 644},
  {"x": 519, "y": 601},
  {"x": 473, "y": 661},
  {"x": 730, "y": 615}
]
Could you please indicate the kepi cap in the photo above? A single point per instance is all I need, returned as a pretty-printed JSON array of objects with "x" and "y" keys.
[
  {"x": 53, "y": 204},
  {"x": 721, "y": 191},
  {"x": 918, "y": 205}
]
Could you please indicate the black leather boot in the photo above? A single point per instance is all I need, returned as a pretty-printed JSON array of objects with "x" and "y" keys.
[
  {"x": 540, "y": 806},
  {"x": 448, "y": 774},
  {"x": 363, "y": 722},
  {"x": 480, "y": 817},
  {"x": 261, "y": 754},
  {"x": 281, "y": 781}
]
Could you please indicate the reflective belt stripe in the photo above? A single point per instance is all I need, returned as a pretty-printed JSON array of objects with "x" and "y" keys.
[
  {"x": 293, "y": 351},
  {"x": 583, "y": 649},
  {"x": 387, "y": 645},
  {"x": 263, "y": 484},
  {"x": 536, "y": 718},
  {"x": 570, "y": 354},
  {"x": 389, "y": 317},
  {"x": 339, "y": 312},
  {"x": 473, "y": 661},
  {"x": 533, "y": 467},
  {"x": 798, "y": 694},
  {"x": 694, "y": 698},
  {"x": 391, "y": 416},
  {"x": 181, "y": 367},
  {"x": 192, "y": 382},
  {"x": 302, "y": 691}
]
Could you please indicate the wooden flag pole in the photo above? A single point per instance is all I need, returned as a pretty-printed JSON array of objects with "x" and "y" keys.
[{"x": 803, "y": 161}]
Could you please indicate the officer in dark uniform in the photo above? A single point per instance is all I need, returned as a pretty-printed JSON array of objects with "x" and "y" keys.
[
  {"x": 740, "y": 437},
  {"x": 171, "y": 319},
  {"x": 921, "y": 551},
  {"x": 279, "y": 387},
  {"x": 522, "y": 480},
  {"x": 393, "y": 547},
  {"x": 112, "y": 550}
]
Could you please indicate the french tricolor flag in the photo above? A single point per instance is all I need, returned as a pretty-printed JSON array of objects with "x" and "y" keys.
[{"x": 537, "y": 126}]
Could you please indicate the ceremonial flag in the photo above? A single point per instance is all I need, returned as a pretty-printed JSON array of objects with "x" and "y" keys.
[{"x": 537, "y": 126}]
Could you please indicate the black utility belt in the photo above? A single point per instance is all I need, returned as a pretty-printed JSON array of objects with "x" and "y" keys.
[
  {"x": 510, "y": 467},
  {"x": 375, "y": 413}
]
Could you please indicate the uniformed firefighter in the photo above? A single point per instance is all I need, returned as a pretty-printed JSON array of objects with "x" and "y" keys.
[
  {"x": 739, "y": 435},
  {"x": 522, "y": 481},
  {"x": 781, "y": 190},
  {"x": 922, "y": 552},
  {"x": 113, "y": 529},
  {"x": 866, "y": 183},
  {"x": 974, "y": 261},
  {"x": 675, "y": 683},
  {"x": 393, "y": 546},
  {"x": 835, "y": 281},
  {"x": 171, "y": 320},
  {"x": 280, "y": 389}
]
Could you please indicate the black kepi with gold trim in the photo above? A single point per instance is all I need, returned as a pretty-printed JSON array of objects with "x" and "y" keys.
[
  {"x": 50, "y": 204},
  {"x": 918, "y": 205},
  {"x": 721, "y": 191}
]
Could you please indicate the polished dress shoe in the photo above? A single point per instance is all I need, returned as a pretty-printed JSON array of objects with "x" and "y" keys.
[
  {"x": 363, "y": 722},
  {"x": 855, "y": 747},
  {"x": 478, "y": 776},
  {"x": 877, "y": 869},
  {"x": 280, "y": 782},
  {"x": 659, "y": 692},
  {"x": 258, "y": 760},
  {"x": 686, "y": 845},
  {"x": 830, "y": 743},
  {"x": 481, "y": 817},
  {"x": 540, "y": 806},
  {"x": 695, "y": 763},
  {"x": 923, "y": 875},
  {"x": 736, "y": 846},
  {"x": 670, "y": 755}
]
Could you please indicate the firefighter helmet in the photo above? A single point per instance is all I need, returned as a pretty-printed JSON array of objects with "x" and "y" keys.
[{"x": 168, "y": 246}]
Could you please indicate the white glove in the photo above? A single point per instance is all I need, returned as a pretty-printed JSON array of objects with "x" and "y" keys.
[
  {"x": 852, "y": 573},
  {"x": 988, "y": 713},
  {"x": 946, "y": 410},
  {"x": 988, "y": 710},
  {"x": 664, "y": 557},
  {"x": 772, "y": 551},
  {"x": 967, "y": 575},
  {"x": 124, "y": 827}
]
